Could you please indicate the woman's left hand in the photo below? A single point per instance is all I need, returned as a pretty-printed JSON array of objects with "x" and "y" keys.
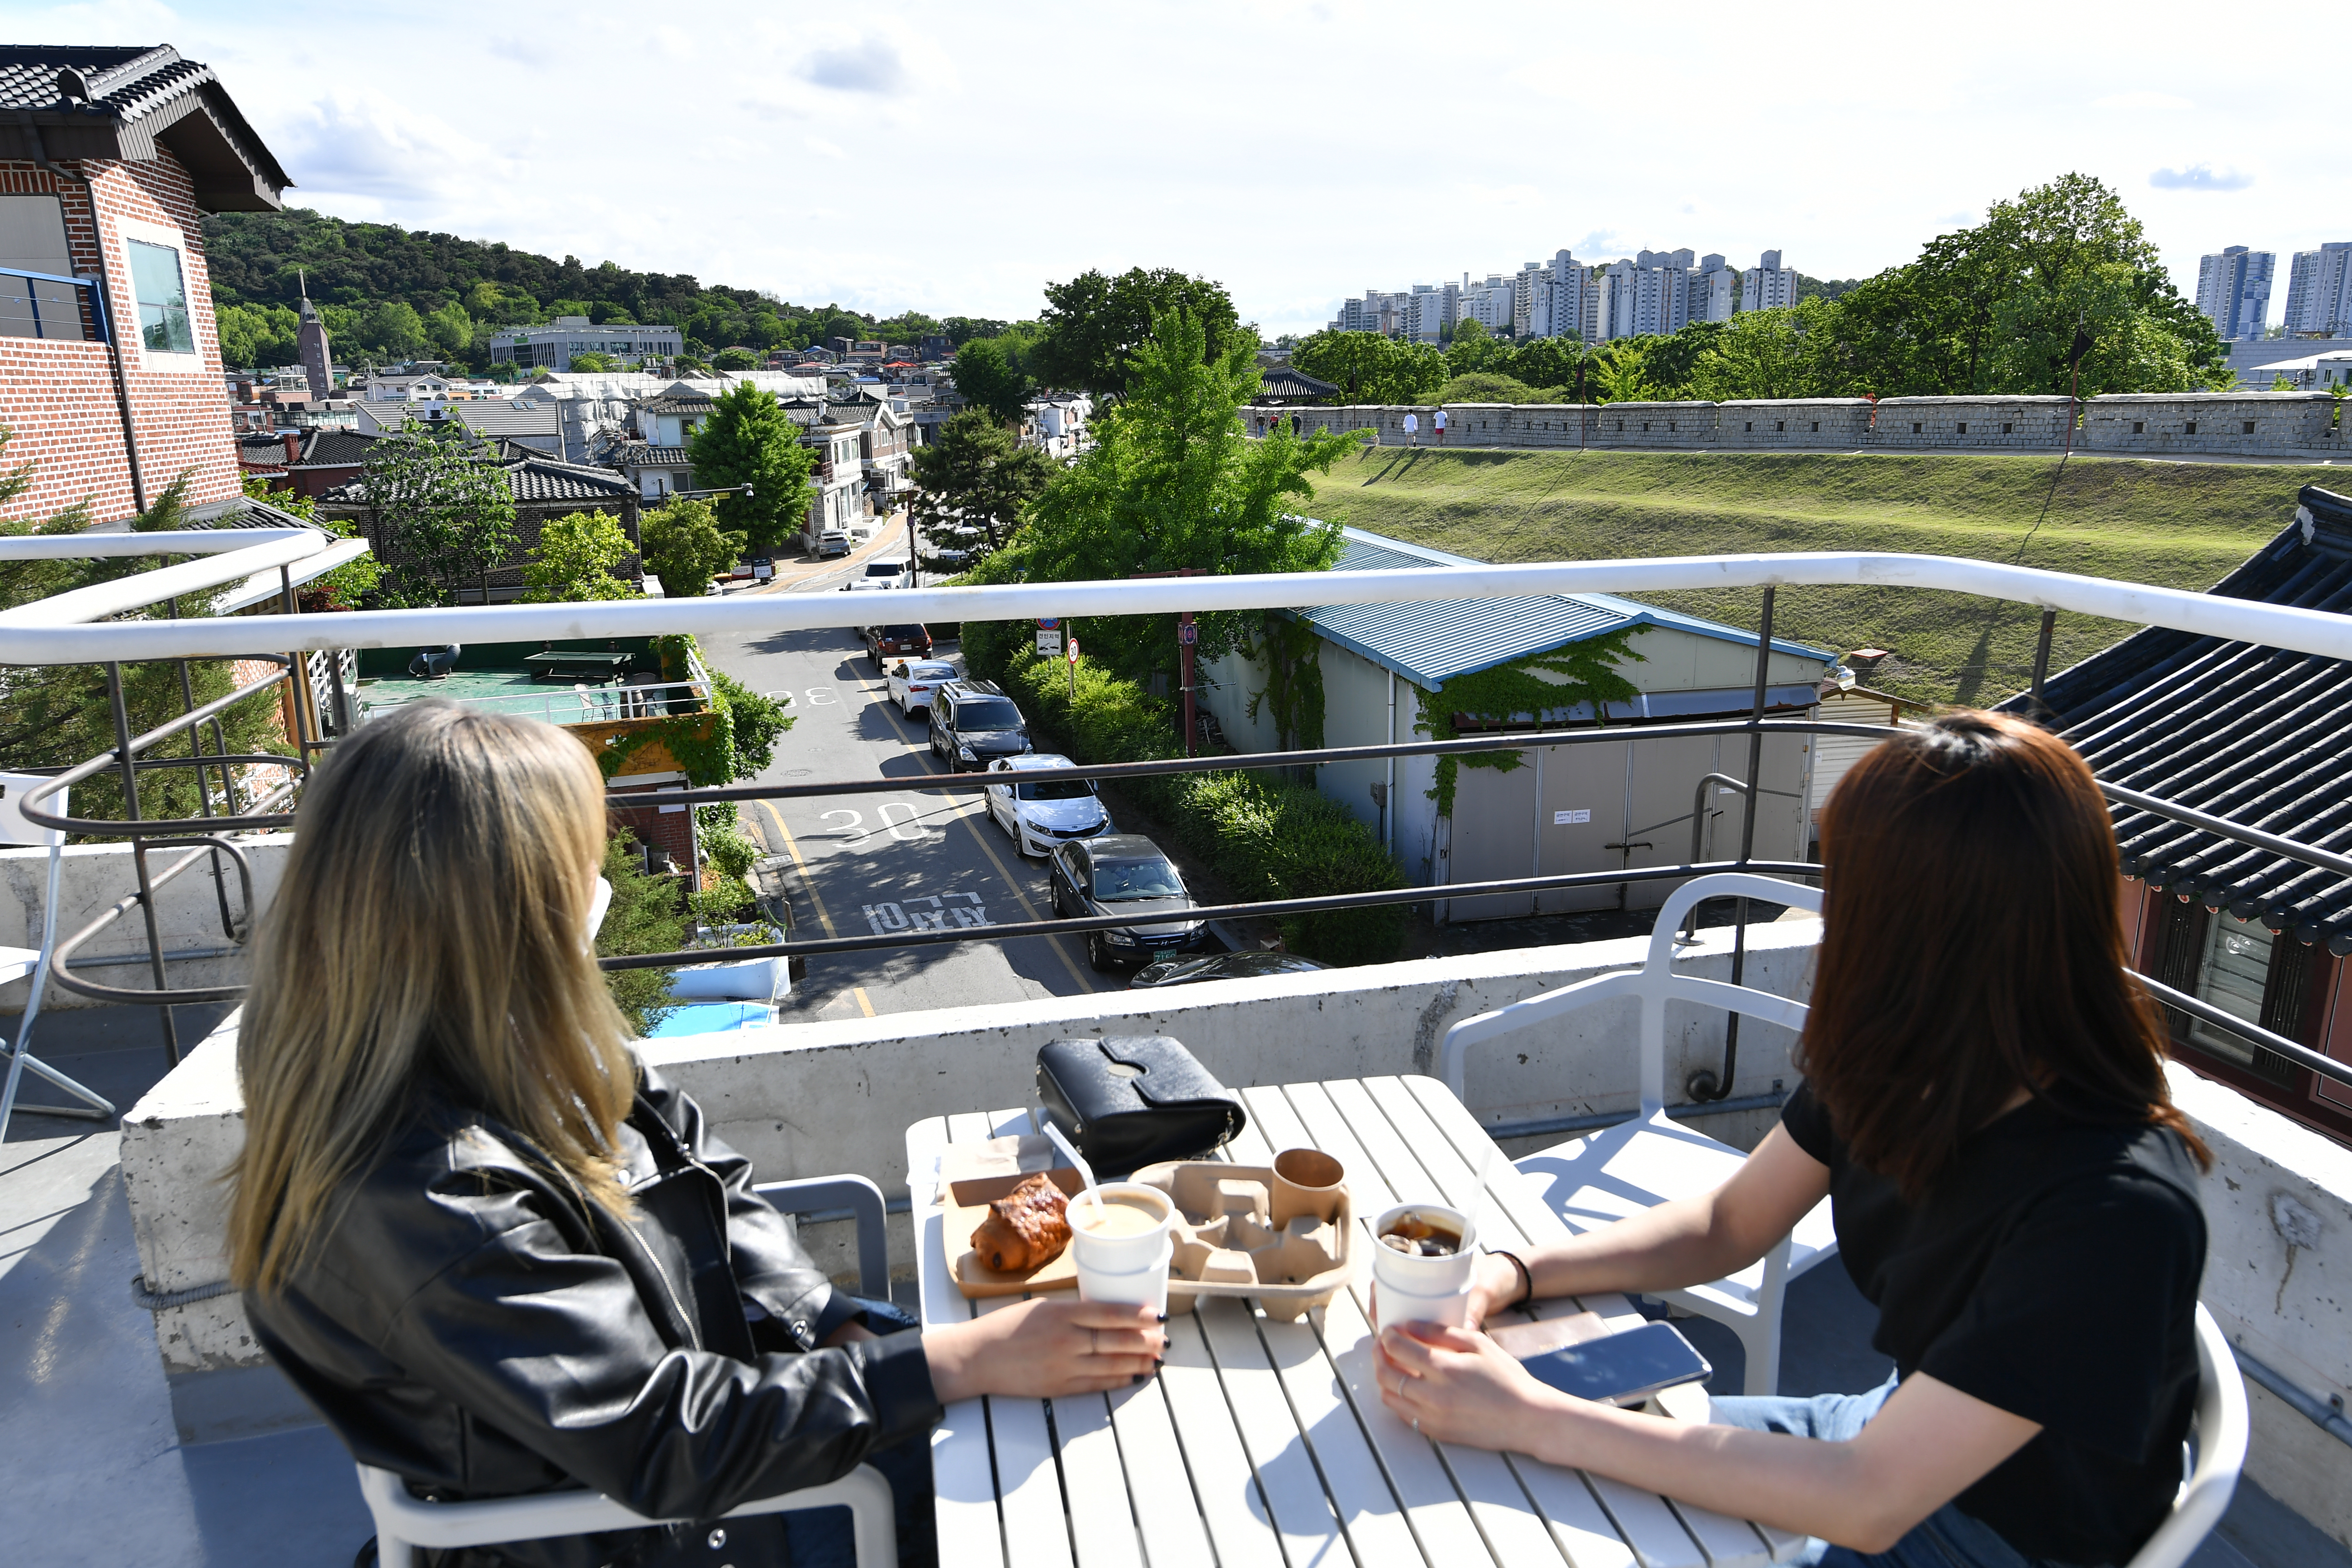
[{"x": 1459, "y": 1387}]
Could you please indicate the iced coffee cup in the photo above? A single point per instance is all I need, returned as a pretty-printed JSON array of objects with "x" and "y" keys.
[
  {"x": 1121, "y": 1242},
  {"x": 1423, "y": 1256}
]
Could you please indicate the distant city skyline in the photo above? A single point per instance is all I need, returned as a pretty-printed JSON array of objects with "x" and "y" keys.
[{"x": 884, "y": 161}]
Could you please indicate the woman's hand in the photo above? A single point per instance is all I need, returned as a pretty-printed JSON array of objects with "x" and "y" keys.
[
  {"x": 1045, "y": 1349},
  {"x": 1459, "y": 1386},
  {"x": 1494, "y": 1285}
]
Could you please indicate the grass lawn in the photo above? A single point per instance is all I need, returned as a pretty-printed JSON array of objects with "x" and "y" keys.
[{"x": 2182, "y": 525}]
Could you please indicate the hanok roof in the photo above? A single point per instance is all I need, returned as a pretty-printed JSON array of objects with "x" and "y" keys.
[
  {"x": 2256, "y": 734},
  {"x": 1286, "y": 382},
  {"x": 1431, "y": 644},
  {"x": 126, "y": 102},
  {"x": 646, "y": 455},
  {"x": 674, "y": 404},
  {"x": 314, "y": 448},
  {"x": 545, "y": 480}
]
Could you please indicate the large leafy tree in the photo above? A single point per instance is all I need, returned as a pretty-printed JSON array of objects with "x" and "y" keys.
[
  {"x": 974, "y": 475},
  {"x": 1369, "y": 368},
  {"x": 685, "y": 547},
  {"x": 1765, "y": 354},
  {"x": 439, "y": 515},
  {"x": 749, "y": 440},
  {"x": 578, "y": 560},
  {"x": 1095, "y": 323},
  {"x": 1173, "y": 482},
  {"x": 988, "y": 380}
]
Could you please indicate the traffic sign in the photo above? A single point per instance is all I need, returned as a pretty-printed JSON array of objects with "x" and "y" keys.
[
  {"x": 1073, "y": 654},
  {"x": 1049, "y": 644},
  {"x": 1049, "y": 623},
  {"x": 1188, "y": 634}
]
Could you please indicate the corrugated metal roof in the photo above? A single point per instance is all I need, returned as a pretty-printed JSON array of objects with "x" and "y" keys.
[
  {"x": 2261, "y": 736},
  {"x": 1433, "y": 642}
]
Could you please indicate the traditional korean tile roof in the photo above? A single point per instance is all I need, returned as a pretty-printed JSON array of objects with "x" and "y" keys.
[
  {"x": 545, "y": 480},
  {"x": 109, "y": 102},
  {"x": 646, "y": 455},
  {"x": 2256, "y": 734}
]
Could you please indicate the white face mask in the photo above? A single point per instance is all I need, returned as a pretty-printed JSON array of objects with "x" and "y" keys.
[{"x": 597, "y": 905}]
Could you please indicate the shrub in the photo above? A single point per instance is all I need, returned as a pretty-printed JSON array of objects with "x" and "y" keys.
[{"x": 1267, "y": 838}]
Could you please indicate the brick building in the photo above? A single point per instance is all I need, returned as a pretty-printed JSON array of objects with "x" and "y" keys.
[{"x": 109, "y": 364}]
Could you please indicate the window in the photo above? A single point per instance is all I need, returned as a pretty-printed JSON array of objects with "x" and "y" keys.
[
  {"x": 1915, "y": 427},
  {"x": 2007, "y": 427},
  {"x": 2190, "y": 428},
  {"x": 1779, "y": 424},
  {"x": 1964, "y": 427},
  {"x": 2249, "y": 427},
  {"x": 1751, "y": 424},
  {"x": 2139, "y": 426},
  {"x": 2239, "y": 966},
  {"x": 155, "y": 284},
  {"x": 1817, "y": 428}
]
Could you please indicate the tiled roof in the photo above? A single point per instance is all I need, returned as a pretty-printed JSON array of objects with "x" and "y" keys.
[
  {"x": 2256, "y": 734},
  {"x": 677, "y": 405},
  {"x": 129, "y": 80},
  {"x": 1431, "y": 644},
  {"x": 646, "y": 455},
  {"x": 484, "y": 418},
  {"x": 1288, "y": 382},
  {"x": 137, "y": 95},
  {"x": 544, "y": 480}
]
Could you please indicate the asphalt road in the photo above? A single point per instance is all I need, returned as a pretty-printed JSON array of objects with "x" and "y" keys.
[{"x": 877, "y": 863}]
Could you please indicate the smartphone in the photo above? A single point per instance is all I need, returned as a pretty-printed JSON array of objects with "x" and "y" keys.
[{"x": 1621, "y": 1369}]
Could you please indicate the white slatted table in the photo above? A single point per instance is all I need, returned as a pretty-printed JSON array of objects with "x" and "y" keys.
[{"x": 1264, "y": 1443}]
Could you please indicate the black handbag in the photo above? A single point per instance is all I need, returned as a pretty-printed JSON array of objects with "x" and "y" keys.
[{"x": 1134, "y": 1100}]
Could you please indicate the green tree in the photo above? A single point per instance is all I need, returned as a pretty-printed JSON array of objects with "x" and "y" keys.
[
  {"x": 1484, "y": 386},
  {"x": 1474, "y": 348},
  {"x": 257, "y": 336},
  {"x": 734, "y": 359},
  {"x": 56, "y": 716},
  {"x": 1620, "y": 374},
  {"x": 987, "y": 381},
  {"x": 346, "y": 586},
  {"x": 685, "y": 547},
  {"x": 587, "y": 363},
  {"x": 439, "y": 514},
  {"x": 1094, "y": 323},
  {"x": 1764, "y": 353},
  {"x": 393, "y": 329},
  {"x": 749, "y": 440},
  {"x": 643, "y": 916},
  {"x": 450, "y": 329},
  {"x": 1547, "y": 362},
  {"x": 1174, "y": 482},
  {"x": 973, "y": 474},
  {"x": 578, "y": 560},
  {"x": 755, "y": 724}
]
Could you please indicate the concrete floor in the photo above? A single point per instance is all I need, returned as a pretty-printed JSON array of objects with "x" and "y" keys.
[{"x": 96, "y": 1478}]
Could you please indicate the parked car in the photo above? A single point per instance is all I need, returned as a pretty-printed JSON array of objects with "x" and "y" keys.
[
  {"x": 905, "y": 640},
  {"x": 882, "y": 571},
  {"x": 1125, "y": 874},
  {"x": 829, "y": 541},
  {"x": 1040, "y": 810},
  {"x": 1218, "y": 966},
  {"x": 912, "y": 681},
  {"x": 973, "y": 724}
]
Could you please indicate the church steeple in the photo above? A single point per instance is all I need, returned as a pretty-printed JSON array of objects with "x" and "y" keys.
[{"x": 310, "y": 343}]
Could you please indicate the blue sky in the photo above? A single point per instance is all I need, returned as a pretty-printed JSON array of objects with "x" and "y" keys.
[{"x": 952, "y": 158}]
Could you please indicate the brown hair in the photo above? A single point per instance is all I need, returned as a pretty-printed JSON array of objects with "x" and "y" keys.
[
  {"x": 1973, "y": 944},
  {"x": 432, "y": 923}
]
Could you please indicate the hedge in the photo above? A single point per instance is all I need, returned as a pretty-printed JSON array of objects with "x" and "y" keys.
[{"x": 1268, "y": 838}]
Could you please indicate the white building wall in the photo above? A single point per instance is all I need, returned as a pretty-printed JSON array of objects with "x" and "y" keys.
[
  {"x": 2319, "y": 291},
  {"x": 1768, "y": 285}
]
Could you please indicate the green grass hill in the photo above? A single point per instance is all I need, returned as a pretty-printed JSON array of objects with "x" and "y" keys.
[{"x": 2181, "y": 525}]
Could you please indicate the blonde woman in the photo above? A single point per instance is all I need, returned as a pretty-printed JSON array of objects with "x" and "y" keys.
[{"x": 497, "y": 1253}]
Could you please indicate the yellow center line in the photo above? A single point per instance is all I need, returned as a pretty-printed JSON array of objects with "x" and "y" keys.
[
  {"x": 963, "y": 815},
  {"x": 792, "y": 847}
]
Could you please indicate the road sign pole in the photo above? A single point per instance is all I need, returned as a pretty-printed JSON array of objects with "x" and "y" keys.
[{"x": 1187, "y": 634}]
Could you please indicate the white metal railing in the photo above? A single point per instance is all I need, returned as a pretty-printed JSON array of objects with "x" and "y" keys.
[
  {"x": 2238, "y": 620},
  {"x": 565, "y": 704}
]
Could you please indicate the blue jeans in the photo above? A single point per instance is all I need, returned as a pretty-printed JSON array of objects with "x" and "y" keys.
[
  {"x": 821, "y": 1538},
  {"x": 1945, "y": 1539}
]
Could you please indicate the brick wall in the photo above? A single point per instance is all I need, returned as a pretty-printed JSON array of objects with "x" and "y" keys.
[
  {"x": 59, "y": 398},
  {"x": 2258, "y": 425}
]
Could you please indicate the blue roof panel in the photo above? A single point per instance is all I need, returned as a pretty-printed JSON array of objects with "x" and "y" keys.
[{"x": 1430, "y": 644}]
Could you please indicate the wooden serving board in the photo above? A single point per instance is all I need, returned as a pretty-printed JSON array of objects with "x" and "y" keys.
[{"x": 972, "y": 1176}]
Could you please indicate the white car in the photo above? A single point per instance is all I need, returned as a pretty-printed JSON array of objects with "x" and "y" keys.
[
  {"x": 912, "y": 681},
  {"x": 884, "y": 572},
  {"x": 1042, "y": 814}
]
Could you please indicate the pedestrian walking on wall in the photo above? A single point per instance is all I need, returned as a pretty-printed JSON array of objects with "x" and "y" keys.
[
  {"x": 1412, "y": 429},
  {"x": 1437, "y": 423},
  {"x": 1297, "y": 424}
]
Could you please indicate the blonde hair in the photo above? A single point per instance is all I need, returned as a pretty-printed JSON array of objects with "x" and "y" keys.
[{"x": 431, "y": 926}]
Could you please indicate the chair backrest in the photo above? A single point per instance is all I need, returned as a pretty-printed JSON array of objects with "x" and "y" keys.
[
  {"x": 2221, "y": 1435},
  {"x": 13, "y": 828},
  {"x": 1653, "y": 985}
]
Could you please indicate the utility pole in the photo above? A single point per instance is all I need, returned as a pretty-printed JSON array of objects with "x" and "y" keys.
[{"x": 1187, "y": 636}]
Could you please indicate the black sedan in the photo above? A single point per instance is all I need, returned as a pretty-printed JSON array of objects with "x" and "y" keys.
[
  {"x": 1126, "y": 873},
  {"x": 1218, "y": 966}
]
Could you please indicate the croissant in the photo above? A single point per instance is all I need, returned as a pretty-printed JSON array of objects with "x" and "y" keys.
[{"x": 1026, "y": 1229}]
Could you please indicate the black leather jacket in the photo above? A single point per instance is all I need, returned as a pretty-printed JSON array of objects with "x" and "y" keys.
[{"x": 472, "y": 1322}]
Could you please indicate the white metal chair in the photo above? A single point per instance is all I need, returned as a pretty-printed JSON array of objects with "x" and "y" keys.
[
  {"x": 405, "y": 1522},
  {"x": 16, "y": 963},
  {"x": 2218, "y": 1439},
  {"x": 1652, "y": 1159}
]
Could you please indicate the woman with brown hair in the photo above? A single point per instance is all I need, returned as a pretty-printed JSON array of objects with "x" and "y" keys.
[
  {"x": 498, "y": 1254},
  {"x": 1985, "y": 1105}
]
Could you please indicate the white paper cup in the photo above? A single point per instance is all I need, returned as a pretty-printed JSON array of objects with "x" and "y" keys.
[
  {"x": 1410, "y": 1288},
  {"x": 1129, "y": 1268}
]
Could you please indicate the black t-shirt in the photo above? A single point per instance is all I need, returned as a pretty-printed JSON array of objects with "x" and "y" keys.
[{"x": 2052, "y": 1273}]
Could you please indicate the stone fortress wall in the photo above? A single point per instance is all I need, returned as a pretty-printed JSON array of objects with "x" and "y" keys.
[{"x": 2290, "y": 425}]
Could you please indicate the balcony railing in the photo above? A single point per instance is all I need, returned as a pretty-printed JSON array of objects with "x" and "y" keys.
[
  {"x": 50, "y": 633},
  {"x": 51, "y": 307}
]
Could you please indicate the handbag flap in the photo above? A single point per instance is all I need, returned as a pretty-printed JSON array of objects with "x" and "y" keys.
[{"x": 1170, "y": 1074}]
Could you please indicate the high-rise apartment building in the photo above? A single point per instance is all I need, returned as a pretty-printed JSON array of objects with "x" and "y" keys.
[
  {"x": 1768, "y": 285},
  {"x": 1492, "y": 304},
  {"x": 2318, "y": 292},
  {"x": 2233, "y": 290},
  {"x": 1714, "y": 291}
]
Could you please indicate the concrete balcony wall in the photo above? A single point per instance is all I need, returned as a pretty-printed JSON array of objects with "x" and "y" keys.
[
  {"x": 94, "y": 875},
  {"x": 2283, "y": 424}
]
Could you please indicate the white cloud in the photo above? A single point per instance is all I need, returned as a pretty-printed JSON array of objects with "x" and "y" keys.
[
  {"x": 2200, "y": 177},
  {"x": 358, "y": 141},
  {"x": 869, "y": 65},
  {"x": 2141, "y": 101}
]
